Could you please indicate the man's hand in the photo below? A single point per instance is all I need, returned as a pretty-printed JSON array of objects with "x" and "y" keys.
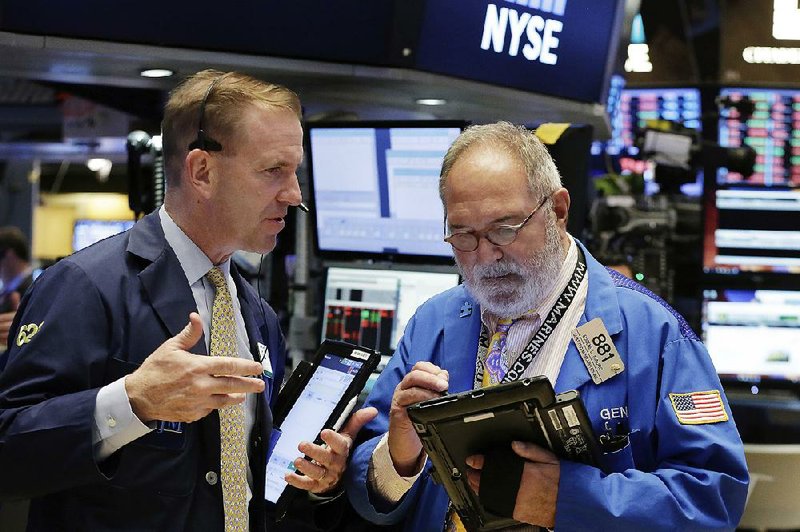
[
  {"x": 6, "y": 318},
  {"x": 538, "y": 487},
  {"x": 329, "y": 461},
  {"x": 424, "y": 381},
  {"x": 175, "y": 385}
]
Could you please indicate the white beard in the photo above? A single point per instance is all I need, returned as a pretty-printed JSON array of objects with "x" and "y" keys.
[{"x": 509, "y": 289}]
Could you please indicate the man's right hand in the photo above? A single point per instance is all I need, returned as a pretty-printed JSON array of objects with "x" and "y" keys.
[
  {"x": 424, "y": 381},
  {"x": 175, "y": 385}
]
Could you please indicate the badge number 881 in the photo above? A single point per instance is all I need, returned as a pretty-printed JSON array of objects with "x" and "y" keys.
[{"x": 602, "y": 347}]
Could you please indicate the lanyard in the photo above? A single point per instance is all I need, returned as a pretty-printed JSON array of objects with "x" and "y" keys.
[{"x": 548, "y": 324}]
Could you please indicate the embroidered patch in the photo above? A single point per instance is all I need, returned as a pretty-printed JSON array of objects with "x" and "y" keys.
[{"x": 698, "y": 408}]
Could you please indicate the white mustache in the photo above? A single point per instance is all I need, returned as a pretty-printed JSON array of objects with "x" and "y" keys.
[{"x": 497, "y": 269}]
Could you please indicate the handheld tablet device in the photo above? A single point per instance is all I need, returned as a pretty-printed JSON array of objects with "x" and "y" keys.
[
  {"x": 486, "y": 421},
  {"x": 317, "y": 396}
]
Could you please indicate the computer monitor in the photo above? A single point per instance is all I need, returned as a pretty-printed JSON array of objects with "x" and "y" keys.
[
  {"x": 371, "y": 307},
  {"x": 753, "y": 223},
  {"x": 753, "y": 335},
  {"x": 631, "y": 113},
  {"x": 375, "y": 189},
  {"x": 772, "y": 129},
  {"x": 87, "y": 232}
]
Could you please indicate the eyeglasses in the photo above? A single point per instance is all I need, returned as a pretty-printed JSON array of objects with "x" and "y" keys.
[
  {"x": 501, "y": 235},
  {"x": 203, "y": 141}
]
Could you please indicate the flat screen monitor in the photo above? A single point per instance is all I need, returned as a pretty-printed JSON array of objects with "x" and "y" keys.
[
  {"x": 87, "y": 232},
  {"x": 753, "y": 335},
  {"x": 375, "y": 189},
  {"x": 631, "y": 113},
  {"x": 772, "y": 130},
  {"x": 371, "y": 307},
  {"x": 753, "y": 223}
]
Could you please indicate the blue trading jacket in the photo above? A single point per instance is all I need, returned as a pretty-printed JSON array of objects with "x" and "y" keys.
[{"x": 672, "y": 476}]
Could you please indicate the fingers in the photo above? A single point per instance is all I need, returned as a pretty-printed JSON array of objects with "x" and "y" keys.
[
  {"x": 231, "y": 366},
  {"x": 190, "y": 335},
  {"x": 475, "y": 461},
  {"x": 357, "y": 421},
  {"x": 424, "y": 381},
  {"x": 427, "y": 375},
  {"x": 333, "y": 454},
  {"x": 6, "y": 319},
  {"x": 316, "y": 477},
  {"x": 534, "y": 453},
  {"x": 13, "y": 300},
  {"x": 474, "y": 480}
]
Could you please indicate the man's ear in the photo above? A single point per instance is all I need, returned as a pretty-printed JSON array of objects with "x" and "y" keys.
[
  {"x": 197, "y": 171},
  {"x": 561, "y": 206}
]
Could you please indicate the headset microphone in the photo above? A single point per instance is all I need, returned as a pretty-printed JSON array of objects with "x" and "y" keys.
[{"x": 303, "y": 207}]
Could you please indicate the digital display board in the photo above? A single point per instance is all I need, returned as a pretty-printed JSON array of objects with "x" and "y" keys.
[
  {"x": 371, "y": 307},
  {"x": 753, "y": 334},
  {"x": 772, "y": 130},
  {"x": 563, "y": 48},
  {"x": 638, "y": 106},
  {"x": 346, "y": 30},
  {"x": 630, "y": 114},
  {"x": 375, "y": 188},
  {"x": 753, "y": 223}
]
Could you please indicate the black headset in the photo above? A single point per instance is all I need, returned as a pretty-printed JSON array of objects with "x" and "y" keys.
[{"x": 203, "y": 141}]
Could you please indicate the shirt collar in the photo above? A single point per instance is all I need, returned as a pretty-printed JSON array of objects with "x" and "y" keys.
[
  {"x": 564, "y": 275},
  {"x": 193, "y": 261}
]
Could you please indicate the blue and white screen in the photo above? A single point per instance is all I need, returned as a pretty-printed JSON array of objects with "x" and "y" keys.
[
  {"x": 376, "y": 190},
  {"x": 87, "y": 232},
  {"x": 753, "y": 333},
  {"x": 307, "y": 417}
]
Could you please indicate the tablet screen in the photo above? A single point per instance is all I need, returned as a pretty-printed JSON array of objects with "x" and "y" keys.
[{"x": 307, "y": 417}]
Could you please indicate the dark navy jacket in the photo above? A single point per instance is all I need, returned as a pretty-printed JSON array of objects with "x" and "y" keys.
[{"x": 89, "y": 320}]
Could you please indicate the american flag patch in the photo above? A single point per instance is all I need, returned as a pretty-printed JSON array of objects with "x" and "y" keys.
[{"x": 697, "y": 408}]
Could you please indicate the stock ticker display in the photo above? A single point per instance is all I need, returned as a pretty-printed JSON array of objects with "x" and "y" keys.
[
  {"x": 772, "y": 130},
  {"x": 638, "y": 106},
  {"x": 371, "y": 307},
  {"x": 753, "y": 223}
]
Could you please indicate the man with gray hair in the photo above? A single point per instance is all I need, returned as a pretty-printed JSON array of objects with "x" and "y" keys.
[{"x": 674, "y": 459}]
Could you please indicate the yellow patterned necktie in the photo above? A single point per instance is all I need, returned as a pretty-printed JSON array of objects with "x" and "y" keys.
[{"x": 233, "y": 447}]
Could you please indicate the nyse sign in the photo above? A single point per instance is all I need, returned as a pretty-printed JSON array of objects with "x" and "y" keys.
[
  {"x": 539, "y": 32},
  {"x": 564, "y": 48}
]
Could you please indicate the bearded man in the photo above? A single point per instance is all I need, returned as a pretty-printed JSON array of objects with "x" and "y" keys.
[{"x": 527, "y": 286}]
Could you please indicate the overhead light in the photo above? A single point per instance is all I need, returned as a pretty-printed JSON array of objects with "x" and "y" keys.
[
  {"x": 101, "y": 168},
  {"x": 157, "y": 73},
  {"x": 431, "y": 101}
]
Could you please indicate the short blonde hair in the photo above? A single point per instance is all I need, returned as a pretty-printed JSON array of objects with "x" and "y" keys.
[
  {"x": 233, "y": 92},
  {"x": 543, "y": 176}
]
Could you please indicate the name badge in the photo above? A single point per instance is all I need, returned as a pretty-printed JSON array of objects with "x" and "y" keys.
[
  {"x": 266, "y": 364},
  {"x": 598, "y": 351}
]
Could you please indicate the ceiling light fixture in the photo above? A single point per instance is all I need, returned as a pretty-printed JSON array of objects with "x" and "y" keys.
[
  {"x": 431, "y": 101},
  {"x": 157, "y": 73},
  {"x": 101, "y": 168}
]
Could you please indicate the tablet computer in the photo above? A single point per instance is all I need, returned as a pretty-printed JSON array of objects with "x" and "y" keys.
[
  {"x": 319, "y": 395},
  {"x": 456, "y": 426}
]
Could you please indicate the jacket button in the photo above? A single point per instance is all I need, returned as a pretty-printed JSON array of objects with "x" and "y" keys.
[{"x": 211, "y": 478}]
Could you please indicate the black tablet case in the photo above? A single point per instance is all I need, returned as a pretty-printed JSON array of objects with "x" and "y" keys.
[{"x": 456, "y": 426}]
